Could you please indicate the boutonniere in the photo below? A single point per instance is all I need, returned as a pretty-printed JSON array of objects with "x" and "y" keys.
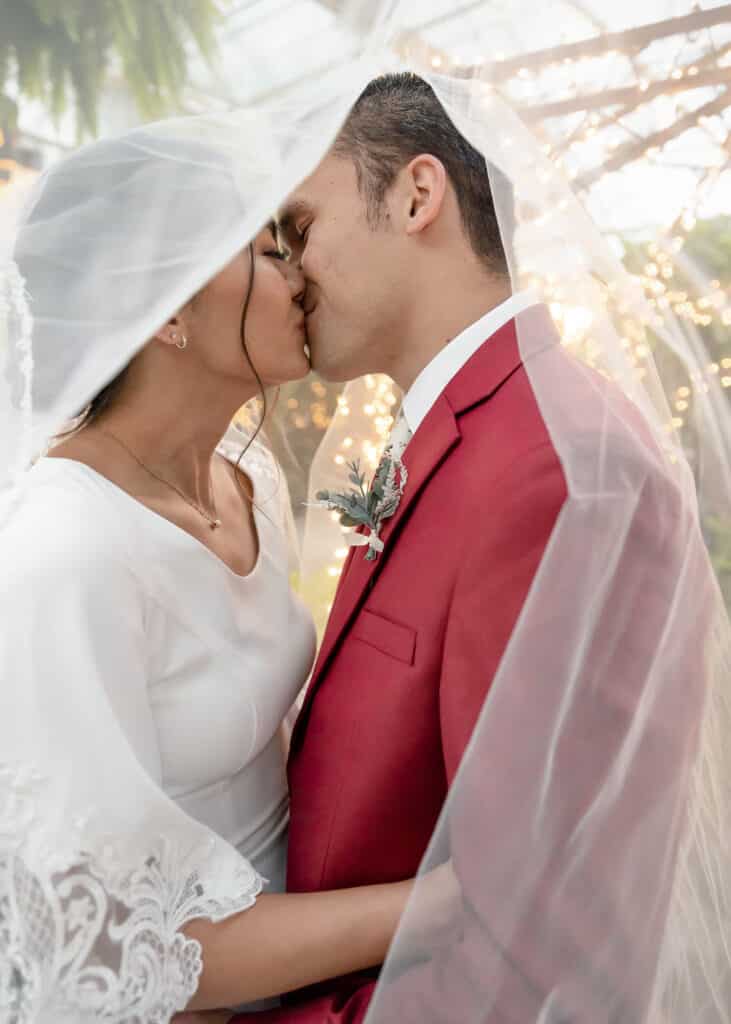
[{"x": 368, "y": 506}]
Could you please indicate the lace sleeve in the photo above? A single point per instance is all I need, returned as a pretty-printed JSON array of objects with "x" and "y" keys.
[{"x": 99, "y": 870}]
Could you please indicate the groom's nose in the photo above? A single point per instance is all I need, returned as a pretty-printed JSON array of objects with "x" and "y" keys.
[{"x": 296, "y": 282}]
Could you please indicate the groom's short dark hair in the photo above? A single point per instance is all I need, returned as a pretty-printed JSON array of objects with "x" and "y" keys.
[{"x": 397, "y": 117}]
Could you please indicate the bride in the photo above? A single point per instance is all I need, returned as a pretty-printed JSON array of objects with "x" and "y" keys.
[{"x": 152, "y": 646}]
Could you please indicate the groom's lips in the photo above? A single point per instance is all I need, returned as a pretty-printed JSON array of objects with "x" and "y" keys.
[{"x": 310, "y": 301}]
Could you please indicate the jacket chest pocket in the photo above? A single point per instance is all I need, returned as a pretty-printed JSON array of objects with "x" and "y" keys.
[{"x": 388, "y": 637}]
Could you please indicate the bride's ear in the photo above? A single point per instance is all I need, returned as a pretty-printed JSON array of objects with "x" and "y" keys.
[{"x": 173, "y": 333}]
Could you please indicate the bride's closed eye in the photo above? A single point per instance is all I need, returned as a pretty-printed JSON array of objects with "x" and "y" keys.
[{"x": 276, "y": 254}]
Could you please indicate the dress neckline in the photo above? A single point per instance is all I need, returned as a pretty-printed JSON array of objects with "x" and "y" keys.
[{"x": 168, "y": 523}]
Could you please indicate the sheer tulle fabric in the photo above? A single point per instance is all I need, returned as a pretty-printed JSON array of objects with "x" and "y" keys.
[
  {"x": 99, "y": 870},
  {"x": 588, "y": 825}
]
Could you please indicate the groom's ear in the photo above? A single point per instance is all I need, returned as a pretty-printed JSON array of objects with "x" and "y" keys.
[{"x": 425, "y": 181}]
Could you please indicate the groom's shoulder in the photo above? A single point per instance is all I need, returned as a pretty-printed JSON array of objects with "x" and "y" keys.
[
  {"x": 504, "y": 425},
  {"x": 556, "y": 408}
]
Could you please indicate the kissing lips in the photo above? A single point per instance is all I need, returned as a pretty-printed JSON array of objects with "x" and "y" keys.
[{"x": 306, "y": 346}]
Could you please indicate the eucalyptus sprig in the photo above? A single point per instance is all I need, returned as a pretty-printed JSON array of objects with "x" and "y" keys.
[
  {"x": 356, "y": 507},
  {"x": 367, "y": 505}
]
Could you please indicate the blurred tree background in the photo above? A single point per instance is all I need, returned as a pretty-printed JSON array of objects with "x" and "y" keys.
[
  {"x": 709, "y": 247},
  {"x": 60, "y": 52},
  {"x": 706, "y": 258}
]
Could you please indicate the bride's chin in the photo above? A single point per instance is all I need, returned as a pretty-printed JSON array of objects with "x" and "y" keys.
[
  {"x": 306, "y": 369},
  {"x": 298, "y": 371}
]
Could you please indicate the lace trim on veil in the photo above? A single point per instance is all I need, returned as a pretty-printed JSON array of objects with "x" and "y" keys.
[{"x": 87, "y": 937}]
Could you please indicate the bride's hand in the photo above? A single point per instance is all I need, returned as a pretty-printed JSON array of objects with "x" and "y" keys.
[{"x": 434, "y": 912}]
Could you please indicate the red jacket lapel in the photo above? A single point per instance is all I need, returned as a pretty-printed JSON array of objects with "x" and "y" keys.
[
  {"x": 431, "y": 443},
  {"x": 481, "y": 376}
]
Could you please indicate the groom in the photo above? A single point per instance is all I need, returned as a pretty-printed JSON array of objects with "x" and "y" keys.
[
  {"x": 407, "y": 275},
  {"x": 397, "y": 234}
]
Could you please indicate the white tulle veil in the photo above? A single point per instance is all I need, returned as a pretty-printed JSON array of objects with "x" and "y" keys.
[
  {"x": 588, "y": 826},
  {"x": 99, "y": 870}
]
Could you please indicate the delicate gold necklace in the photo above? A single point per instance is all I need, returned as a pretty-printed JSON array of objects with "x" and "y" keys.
[{"x": 213, "y": 521}]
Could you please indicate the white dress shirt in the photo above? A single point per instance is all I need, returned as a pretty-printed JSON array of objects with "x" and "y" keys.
[{"x": 445, "y": 365}]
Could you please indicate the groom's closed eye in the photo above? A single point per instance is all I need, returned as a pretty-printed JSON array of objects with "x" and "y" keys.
[
  {"x": 286, "y": 239},
  {"x": 295, "y": 240},
  {"x": 293, "y": 226}
]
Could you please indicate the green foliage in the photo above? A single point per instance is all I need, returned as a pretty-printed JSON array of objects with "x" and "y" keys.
[
  {"x": 55, "y": 49},
  {"x": 718, "y": 537},
  {"x": 356, "y": 508},
  {"x": 708, "y": 246}
]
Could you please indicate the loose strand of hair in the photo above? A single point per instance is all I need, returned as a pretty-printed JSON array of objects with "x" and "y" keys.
[{"x": 259, "y": 381}]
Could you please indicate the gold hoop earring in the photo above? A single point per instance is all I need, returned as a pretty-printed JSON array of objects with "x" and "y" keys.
[{"x": 181, "y": 343}]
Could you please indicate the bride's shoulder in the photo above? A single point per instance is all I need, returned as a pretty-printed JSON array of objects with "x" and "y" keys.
[{"x": 60, "y": 523}]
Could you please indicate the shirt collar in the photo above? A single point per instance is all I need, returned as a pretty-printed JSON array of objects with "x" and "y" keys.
[{"x": 445, "y": 365}]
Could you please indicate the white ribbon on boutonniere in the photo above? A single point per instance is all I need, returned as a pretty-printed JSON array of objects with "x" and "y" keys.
[{"x": 369, "y": 506}]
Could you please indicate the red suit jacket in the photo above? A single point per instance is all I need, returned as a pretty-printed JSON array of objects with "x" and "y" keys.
[
  {"x": 394, "y": 696},
  {"x": 413, "y": 643}
]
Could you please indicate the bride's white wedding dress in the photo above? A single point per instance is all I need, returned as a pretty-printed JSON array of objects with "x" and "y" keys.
[{"x": 201, "y": 665}]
